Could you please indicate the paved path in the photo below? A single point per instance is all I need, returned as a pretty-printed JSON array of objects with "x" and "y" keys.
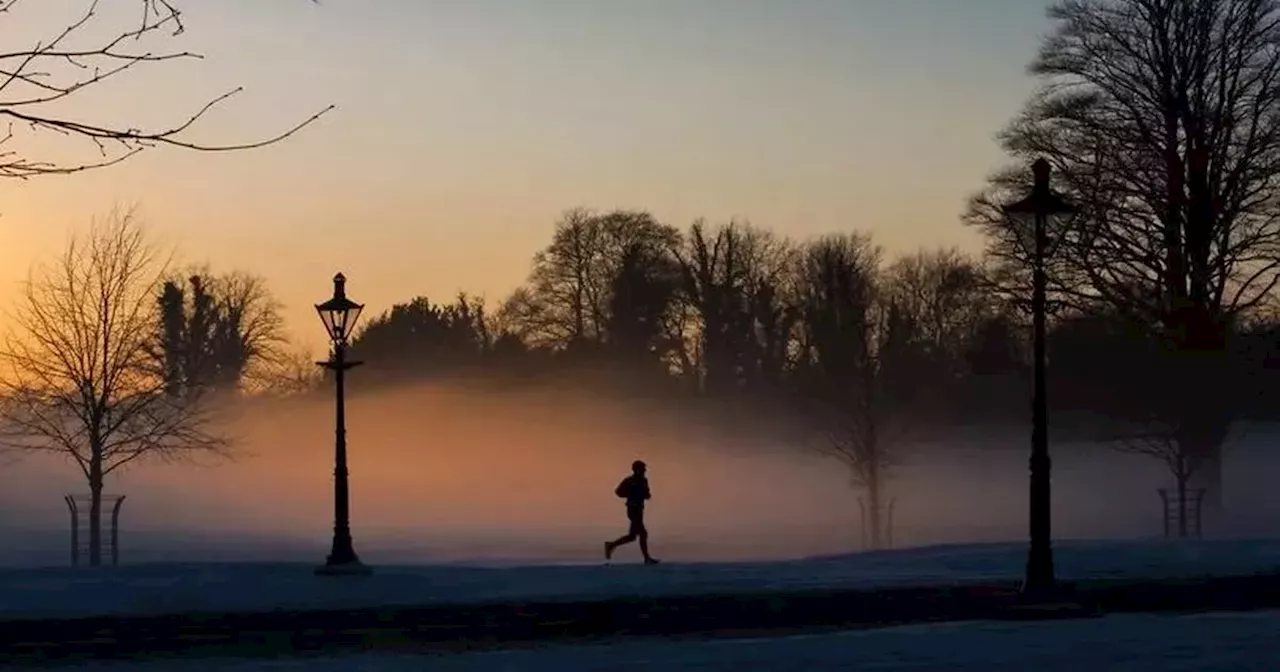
[{"x": 445, "y": 628}]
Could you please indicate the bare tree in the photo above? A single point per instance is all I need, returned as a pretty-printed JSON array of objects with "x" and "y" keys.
[
  {"x": 1162, "y": 120},
  {"x": 570, "y": 288},
  {"x": 943, "y": 314},
  {"x": 564, "y": 300},
  {"x": 292, "y": 372},
  {"x": 1160, "y": 441},
  {"x": 944, "y": 293},
  {"x": 79, "y": 378},
  {"x": 38, "y": 80},
  {"x": 250, "y": 327},
  {"x": 230, "y": 330},
  {"x": 773, "y": 309},
  {"x": 640, "y": 306},
  {"x": 853, "y": 340},
  {"x": 730, "y": 276}
]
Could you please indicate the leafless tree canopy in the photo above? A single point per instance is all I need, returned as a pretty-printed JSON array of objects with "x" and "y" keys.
[
  {"x": 738, "y": 303},
  {"x": 291, "y": 372},
  {"x": 253, "y": 319},
  {"x": 944, "y": 295},
  {"x": 1162, "y": 120},
  {"x": 78, "y": 376},
  {"x": 243, "y": 341},
  {"x": 1162, "y": 445},
  {"x": 37, "y": 80},
  {"x": 567, "y": 300}
]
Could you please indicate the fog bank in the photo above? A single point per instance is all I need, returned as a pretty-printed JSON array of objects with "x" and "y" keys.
[{"x": 449, "y": 474}]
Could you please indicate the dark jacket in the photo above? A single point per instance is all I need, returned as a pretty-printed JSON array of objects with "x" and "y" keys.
[{"x": 634, "y": 489}]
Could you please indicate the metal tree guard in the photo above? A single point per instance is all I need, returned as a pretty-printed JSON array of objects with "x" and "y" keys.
[
  {"x": 1176, "y": 508},
  {"x": 73, "y": 504}
]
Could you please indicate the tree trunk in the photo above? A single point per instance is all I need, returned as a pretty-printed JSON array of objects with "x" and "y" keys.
[
  {"x": 1201, "y": 437},
  {"x": 1182, "y": 505},
  {"x": 874, "y": 497},
  {"x": 1208, "y": 477},
  {"x": 1203, "y": 419},
  {"x": 95, "y": 513}
]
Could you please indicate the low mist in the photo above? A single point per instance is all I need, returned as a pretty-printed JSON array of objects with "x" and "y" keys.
[{"x": 450, "y": 473}]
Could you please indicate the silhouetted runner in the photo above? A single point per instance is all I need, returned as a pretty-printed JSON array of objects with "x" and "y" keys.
[{"x": 634, "y": 489}]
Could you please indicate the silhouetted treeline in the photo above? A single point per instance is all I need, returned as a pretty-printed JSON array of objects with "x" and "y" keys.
[
  {"x": 850, "y": 350},
  {"x": 1161, "y": 121},
  {"x": 619, "y": 301}
]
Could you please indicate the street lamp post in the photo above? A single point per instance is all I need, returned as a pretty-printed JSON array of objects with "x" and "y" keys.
[
  {"x": 339, "y": 315},
  {"x": 1041, "y": 205}
]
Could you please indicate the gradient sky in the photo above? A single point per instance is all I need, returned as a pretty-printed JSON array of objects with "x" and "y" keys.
[{"x": 464, "y": 127}]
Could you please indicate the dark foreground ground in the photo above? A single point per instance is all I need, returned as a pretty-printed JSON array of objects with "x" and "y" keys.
[{"x": 470, "y": 627}]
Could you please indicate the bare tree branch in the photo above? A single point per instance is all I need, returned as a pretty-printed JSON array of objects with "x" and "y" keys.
[{"x": 34, "y": 77}]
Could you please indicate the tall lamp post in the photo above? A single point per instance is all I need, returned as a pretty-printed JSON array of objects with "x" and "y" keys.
[
  {"x": 339, "y": 315},
  {"x": 1040, "y": 206}
]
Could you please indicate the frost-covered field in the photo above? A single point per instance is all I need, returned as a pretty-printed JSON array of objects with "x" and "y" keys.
[
  {"x": 1235, "y": 642},
  {"x": 175, "y": 588}
]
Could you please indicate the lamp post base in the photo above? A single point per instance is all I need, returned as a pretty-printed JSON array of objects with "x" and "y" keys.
[{"x": 352, "y": 568}]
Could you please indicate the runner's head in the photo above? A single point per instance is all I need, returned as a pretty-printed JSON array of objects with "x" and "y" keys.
[{"x": 637, "y": 467}]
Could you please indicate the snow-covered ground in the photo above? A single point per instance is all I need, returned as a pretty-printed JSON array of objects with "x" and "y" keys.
[
  {"x": 1236, "y": 642},
  {"x": 175, "y": 588}
]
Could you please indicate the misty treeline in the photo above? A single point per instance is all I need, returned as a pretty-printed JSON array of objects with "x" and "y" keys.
[
  {"x": 1161, "y": 119},
  {"x": 859, "y": 352}
]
